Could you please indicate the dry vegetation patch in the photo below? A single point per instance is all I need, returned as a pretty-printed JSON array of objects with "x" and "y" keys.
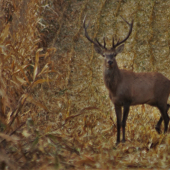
[{"x": 54, "y": 108}]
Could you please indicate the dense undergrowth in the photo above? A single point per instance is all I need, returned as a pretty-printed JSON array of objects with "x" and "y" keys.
[{"x": 54, "y": 109}]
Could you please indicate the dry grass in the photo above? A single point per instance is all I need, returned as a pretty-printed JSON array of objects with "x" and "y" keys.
[{"x": 54, "y": 108}]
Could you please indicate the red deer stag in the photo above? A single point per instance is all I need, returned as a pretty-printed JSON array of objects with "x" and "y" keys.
[{"x": 127, "y": 88}]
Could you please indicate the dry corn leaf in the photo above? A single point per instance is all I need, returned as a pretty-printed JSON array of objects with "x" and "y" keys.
[
  {"x": 9, "y": 138},
  {"x": 26, "y": 134},
  {"x": 40, "y": 81},
  {"x": 22, "y": 81},
  {"x": 33, "y": 101},
  {"x": 80, "y": 113},
  {"x": 36, "y": 63},
  {"x": 4, "y": 33},
  {"x": 45, "y": 69}
]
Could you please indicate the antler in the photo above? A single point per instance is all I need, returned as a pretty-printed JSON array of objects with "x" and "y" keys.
[
  {"x": 130, "y": 31},
  {"x": 102, "y": 46},
  {"x": 97, "y": 43}
]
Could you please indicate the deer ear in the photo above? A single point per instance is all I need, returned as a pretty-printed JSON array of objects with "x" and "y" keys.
[
  {"x": 120, "y": 49},
  {"x": 98, "y": 49}
]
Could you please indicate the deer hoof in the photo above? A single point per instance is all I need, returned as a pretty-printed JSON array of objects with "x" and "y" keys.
[
  {"x": 117, "y": 143},
  {"x": 123, "y": 140},
  {"x": 158, "y": 129}
]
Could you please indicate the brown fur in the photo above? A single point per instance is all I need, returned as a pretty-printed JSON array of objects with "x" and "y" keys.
[{"x": 127, "y": 88}]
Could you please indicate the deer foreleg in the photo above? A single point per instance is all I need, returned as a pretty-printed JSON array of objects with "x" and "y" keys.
[
  {"x": 125, "y": 115},
  {"x": 118, "y": 115}
]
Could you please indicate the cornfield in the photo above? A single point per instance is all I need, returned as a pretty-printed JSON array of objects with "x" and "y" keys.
[{"x": 55, "y": 112}]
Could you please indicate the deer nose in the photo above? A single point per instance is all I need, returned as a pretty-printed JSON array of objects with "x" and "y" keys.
[{"x": 110, "y": 62}]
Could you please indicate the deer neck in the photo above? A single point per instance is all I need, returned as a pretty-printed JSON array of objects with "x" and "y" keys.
[{"x": 112, "y": 77}]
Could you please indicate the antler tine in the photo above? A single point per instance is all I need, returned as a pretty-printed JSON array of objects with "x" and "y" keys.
[
  {"x": 104, "y": 47},
  {"x": 84, "y": 23},
  {"x": 97, "y": 43},
  {"x": 130, "y": 31},
  {"x": 125, "y": 20},
  {"x": 113, "y": 43},
  {"x": 118, "y": 41},
  {"x": 104, "y": 42},
  {"x": 85, "y": 28}
]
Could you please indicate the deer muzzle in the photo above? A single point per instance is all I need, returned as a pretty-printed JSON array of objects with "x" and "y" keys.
[{"x": 110, "y": 62}]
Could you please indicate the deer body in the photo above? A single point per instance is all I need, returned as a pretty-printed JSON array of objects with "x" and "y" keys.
[
  {"x": 127, "y": 88},
  {"x": 136, "y": 88}
]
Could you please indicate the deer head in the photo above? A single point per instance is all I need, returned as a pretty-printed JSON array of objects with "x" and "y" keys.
[{"x": 111, "y": 53}]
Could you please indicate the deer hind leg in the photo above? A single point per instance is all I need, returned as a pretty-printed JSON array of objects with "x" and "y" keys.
[
  {"x": 164, "y": 116},
  {"x": 125, "y": 115},
  {"x": 157, "y": 127},
  {"x": 119, "y": 116}
]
